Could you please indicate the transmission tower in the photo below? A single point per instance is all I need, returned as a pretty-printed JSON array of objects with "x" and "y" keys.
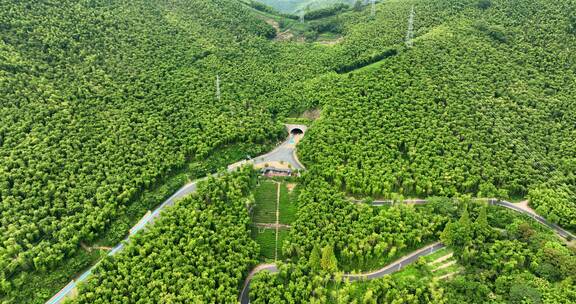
[
  {"x": 410, "y": 33},
  {"x": 218, "y": 87},
  {"x": 302, "y": 16},
  {"x": 373, "y": 8}
]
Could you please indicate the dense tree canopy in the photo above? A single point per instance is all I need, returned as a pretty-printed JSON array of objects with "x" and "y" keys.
[
  {"x": 507, "y": 260},
  {"x": 482, "y": 104},
  {"x": 361, "y": 237},
  {"x": 198, "y": 251},
  {"x": 102, "y": 100}
]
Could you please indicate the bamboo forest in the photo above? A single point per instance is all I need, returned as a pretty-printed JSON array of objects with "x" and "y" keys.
[{"x": 287, "y": 151}]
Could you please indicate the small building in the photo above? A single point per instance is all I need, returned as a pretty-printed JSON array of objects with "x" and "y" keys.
[{"x": 272, "y": 172}]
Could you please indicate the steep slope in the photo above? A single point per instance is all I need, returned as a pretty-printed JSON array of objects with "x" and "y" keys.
[
  {"x": 481, "y": 104},
  {"x": 102, "y": 100}
]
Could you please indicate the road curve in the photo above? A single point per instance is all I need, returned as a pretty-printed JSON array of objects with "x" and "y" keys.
[
  {"x": 414, "y": 256},
  {"x": 244, "y": 299},
  {"x": 397, "y": 265},
  {"x": 492, "y": 201},
  {"x": 388, "y": 269},
  {"x": 284, "y": 152},
  {"x": 561, "y": 232}
]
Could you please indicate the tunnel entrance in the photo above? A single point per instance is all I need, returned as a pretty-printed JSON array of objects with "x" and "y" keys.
[{"x": 296, "y": 131}]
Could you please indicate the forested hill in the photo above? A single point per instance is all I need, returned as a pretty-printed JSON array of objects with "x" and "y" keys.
[
  {"x": 101, "y": 100},
  {"x": 292, "y": 6},
  {"x": 104, "y": 101},
  {"x": 481, "y": 104}
]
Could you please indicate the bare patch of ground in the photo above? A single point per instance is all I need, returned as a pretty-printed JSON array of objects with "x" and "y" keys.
[
  {"x": 330, "y": 42},
  {"x": 89, "y": 249},
  {"x": 290, "y": 186},
  {"x": 524, "y": 206},
  {"x": 274, "y": 24},
  {"x": 286, "y": 35},
  {"x": 312, "y": 114}
]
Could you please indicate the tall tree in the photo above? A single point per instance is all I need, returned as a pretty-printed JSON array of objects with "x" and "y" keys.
[{"x": 329, "y": 262}]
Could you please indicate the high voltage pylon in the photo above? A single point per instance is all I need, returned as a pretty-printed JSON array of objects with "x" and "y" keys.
[
  {"x": 410, "y": 33},
  {"x": 218, "y": 87},
  {"x": 373, "y": 8},
  {"x": 302, "y": 13}
]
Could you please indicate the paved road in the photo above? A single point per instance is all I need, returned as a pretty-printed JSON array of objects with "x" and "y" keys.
[
  {"x": 244, "y": 299},
  {"x": 390, "y": 268},
  {"x": 414, "y": 256},
  {"x": 285, "y": 153},
  {"x": 562, "y": 232},
  {"x": 397, "y": 265}
]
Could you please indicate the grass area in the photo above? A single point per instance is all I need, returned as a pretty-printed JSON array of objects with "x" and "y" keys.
[
  {"x": 282, "y": 236},
  {"x": 265, "y": 213},
  {"x": 436, "y": 255},
  {"x": 266, "y": 238},
  {"x": 299, "y": 121},
  {"x": 288, "y": 204},
  {"x": 447, "y": 270},
  {"x": 265, "y": 206}
]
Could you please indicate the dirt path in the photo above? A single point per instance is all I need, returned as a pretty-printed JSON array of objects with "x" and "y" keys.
[
  {"x": 441, "y": 259},
  {"x": 272, "y": 226},
  {"x": 445, "y": 265},
  {"x": 448, "y": 275}
]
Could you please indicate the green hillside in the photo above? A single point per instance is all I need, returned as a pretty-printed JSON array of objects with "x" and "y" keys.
[
  {"x": 293, "y": 6},
  {"x": 108, "y": 107}
]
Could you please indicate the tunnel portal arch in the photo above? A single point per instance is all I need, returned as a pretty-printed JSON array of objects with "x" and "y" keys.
[{"x": 296, "y": 131}]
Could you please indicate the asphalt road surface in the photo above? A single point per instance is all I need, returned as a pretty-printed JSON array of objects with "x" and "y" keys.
[
  {"x": 244, "y": 299},
  {"x": 397, "y": 265},
  {"x": 390, "y": 268},
  {"x": 283, "y": 153}
]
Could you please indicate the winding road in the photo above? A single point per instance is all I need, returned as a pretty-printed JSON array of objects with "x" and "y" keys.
[
  {"x": 414, "y": 256},
  {"x": 388, "y": 269},
  {"x": 285, "y": 153},
  {"x": 519, "y": 208}
]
